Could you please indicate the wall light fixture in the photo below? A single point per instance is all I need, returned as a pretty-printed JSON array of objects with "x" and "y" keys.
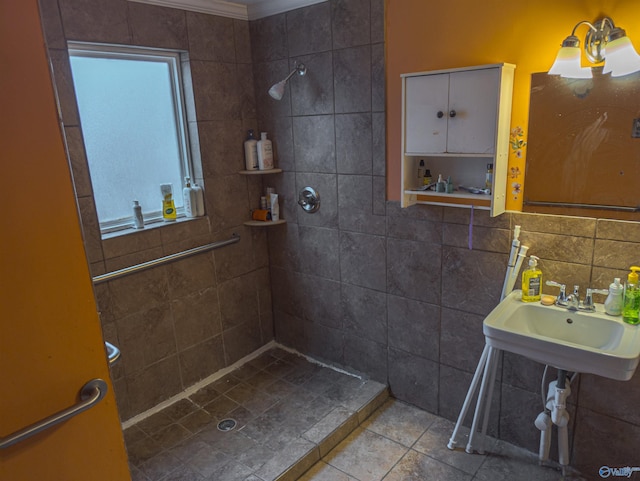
[{"x": 603, "y": 42}]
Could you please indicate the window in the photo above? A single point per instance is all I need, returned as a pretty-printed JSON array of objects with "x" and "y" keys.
[{"x": 130, "y": 102}]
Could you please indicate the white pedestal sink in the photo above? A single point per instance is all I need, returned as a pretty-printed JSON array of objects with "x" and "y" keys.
[{"x": 578, "y": 341}]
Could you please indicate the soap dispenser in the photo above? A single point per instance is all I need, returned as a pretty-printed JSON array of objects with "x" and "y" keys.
[
  {"x": 631, "y": 302},
  {"x": 532, "y": 281},
  {"x": 613, "y": 304}
]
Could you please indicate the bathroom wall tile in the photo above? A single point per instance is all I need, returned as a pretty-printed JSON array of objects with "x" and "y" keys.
[
  {"x": 563, "y": 272},
  {"x": 351, "y": 22},
  {"x": 414, "y": 270},
  {"x": 555, "y": 224},
  {"x": 364, "y": 313},
  {"x": 596, "y": 393},
  {"x": 242, "y": 41},
  {"x": 518, "y": 405},
  {"x": 212, "y": 37},
  {"x": 418, "y": 212},
  {"x": 78, "y": 161},
  {"x": 284, "y": 247},
  {"x": 379, "y": 147},
  {"x": 483, "y": 238},
  {"x": 413, "y": 379},
  {"x": 265, "y": 75},
  {"x": 290, "y": 331},
  {"x": 379, "y": 195},
  {"x": 314, "y": 143},
  {"x": 617, "y": 230},
  {"x": 454, "y": 215},
  {"x": 312, "y": 94},
  {"x": 366, "y": 356},
  {"x": 153, "y": 384},
  {"x": 156, "y": 26},
  {"x": 601, "y": 277},
  {"x": 523, "y": 373},
  {"x": 378, "y": 86},
  {"x": 402, "y": 227},
  {"x": 221, "y": 147},
  {"x": 262, "y": 279},
  {"x": 90, "y": 229},
  {"x": 238, "y": 301},
  {"x": 196, "y": 317},
  {"x": 136, "y": 241},
  {"x": 241, "y": 340},
  {"x": 216, "y": 91},
  {"x": 355, "y": 203},
  {"x": 309, "y": 29},
  {"x": 190, "y": 275},
  {"x": 363, "y": 260},
  {"x": 177, "y": 232},
  {"x": 354, "y": 143},
  {"x": 269, "y": 38},
  {"x": 226, "y": 201},
  {"x": 461, "y": 339},
  {"x": 65, "y": 92},
  {"x": 235, "y": 259},
  {"x": 559, "y": 247},
  {"x": 615, "y": 254},
  {"x": 377, "y": 21},
  {"x": 92, "y": 21},
  {"x": 454, "y": 385},
  {"x": 460, "y": 267},
  {"x": 326, "y": 185},
  {"x": 187, "y": 243},
  {"x": 201, "y": 360},
  {"x": 414, "y": 327},
  {"x": 325, "y": 343},
  {"x": 352, "y": 79},
  {"x": 590, "y": 452},
  {"x": 288, "y": 293},
  {"x": 246, "y": 92},
  {"x": 323, "y": 301},
  {"x": 320, "y": 250},
  {"x": 52, "y": 24}
]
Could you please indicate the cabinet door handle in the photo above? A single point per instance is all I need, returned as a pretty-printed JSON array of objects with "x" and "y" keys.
[
  {"x": 452, "y": 113},
  {"x": 440, "y": 114}
]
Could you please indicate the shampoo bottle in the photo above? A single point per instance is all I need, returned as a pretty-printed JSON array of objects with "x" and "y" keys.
[
  {"x": 190, "y": 202},
  {"x": 199, "y": 199},
  {"x": 631, "y": 302},
  {"x": 251, "y": 152},
  {"x": 532, "y": 281},
  {"x": 168, "y": 206},
  {"x": 421, "y": 172},
  {"x": 138, "y": 221},
  {"x": 613, "y": 304},
  {"x": 265, "y": 152}
]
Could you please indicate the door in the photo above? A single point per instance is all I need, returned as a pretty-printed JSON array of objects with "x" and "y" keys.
[
  {"x": 50, "y": 336},
  {"x": 473, "y": 96},
  {"x": 426, "y": 110}
]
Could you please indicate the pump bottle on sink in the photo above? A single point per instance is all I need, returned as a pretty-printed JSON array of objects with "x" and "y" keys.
[{"x": 532, "y": 281}]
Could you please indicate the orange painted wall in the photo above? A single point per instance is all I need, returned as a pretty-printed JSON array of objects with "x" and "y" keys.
[
  {"x": 431, "y": 35},
  {"x": 50, "y": 335}
]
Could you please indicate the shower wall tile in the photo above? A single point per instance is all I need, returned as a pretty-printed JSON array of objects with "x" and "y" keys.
[
  {"x": 90, "y": 229},
  {"x": 415, "y": 229},
  {"x": 280, "y": 132},
  {"x": 325, "y": 343},
  {"x": 143, "y": 291},
  {"x": 379, "y": 146},
  {"x": 516, "y": 405},
  {"x": 455, "y": 215},
  {"x": 555, "y": 224},
  {"x": 91, "y": 21},
  {"x": 354, "y": 143},
  {"x": 413, "y": 379},
  {"x": 596, "y": 393},
  {"x": 378, "y": 87},
  {"x": 461, "y": 339},
  {"x": 320, "y": 250},
  {"x": 289, "y": 295},
  {"x": 363, "y": 260},
  {"x": 364, "y": 313},
  {"x": 248, "y": 109},
  {"x": 159, "y": 26},
  {"x": 242, "y": 41},
  {"x": 414, "y": 270},
  {"x": 178, "y": 232},
  {"x": 312, "y": 94},
  {"x": 119, "y": 246},
  {"x": 78, "y": 160},
  {"x": 196, "y": 317},
  {"x": 351, "y": 23},
  {"x": 558, "y": 247},
  {"x": 617, "y": 230},
  {"x": 216, "y": 91},
  {"x": 377, "y": 21},
  {"x": 355, "y": 203},
  {"x": 284, "y": 249},
  {"x": 523, "y": 373},
  {"x": 285, "y": 186},
  {"x": 265, "y": 75},
  {"x": 269, "y": 38},
  {"x": 238, "y": 301},
  {"x": 65, "y": 92},
  {"x": 211, "y": 37},
  {"x": 379, "y": 195},
  {"x": 153, "y": 384},
  {"x": 200, "y": 360},
  {"x": 309, "y": 29},
  {"x": 483, "y": 238},
  {"x": 323, "y": 304},
  {"x": 190, "y": 275},
  {"x": 414, "y": 327},
  {"x": 220, "y": 142},
  {"x": 314, "y": 144},
  {"x": 366, "y": 356},
  {"x": 52, "y": 24},
  {"x": 226, "y": 207},
  {"x": 352, "y": 79},
  {"x": 615, "y": 254},
  {"x": 235, "y": 259},
  {"x": 326, "y": 185}
]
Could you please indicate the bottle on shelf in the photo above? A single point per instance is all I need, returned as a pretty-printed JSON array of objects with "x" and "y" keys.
[
  {"x": 138, "y": 221},
  {"x": 250, "y": 152},
  {"x": 265, "y": 152},
  {"x": 189, "y": 199}
]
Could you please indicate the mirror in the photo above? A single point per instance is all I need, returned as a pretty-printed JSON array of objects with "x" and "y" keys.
[{"x": 583, "y": 151}]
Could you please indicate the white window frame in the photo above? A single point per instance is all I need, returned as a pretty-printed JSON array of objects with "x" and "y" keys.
[{"x": 173, "y": 59}]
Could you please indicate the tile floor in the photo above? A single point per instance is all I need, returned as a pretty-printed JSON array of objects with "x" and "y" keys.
[{"x": 298, "y": 420}]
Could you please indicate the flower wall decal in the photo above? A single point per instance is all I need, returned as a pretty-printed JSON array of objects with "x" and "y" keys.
[{"x": 517, "y": 145}]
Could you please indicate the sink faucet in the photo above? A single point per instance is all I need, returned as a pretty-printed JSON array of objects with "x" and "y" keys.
[
  {"x": 572, "y": 301},
  {"x": 588, "y": 304},
  {"x": 561, "y": 300}
]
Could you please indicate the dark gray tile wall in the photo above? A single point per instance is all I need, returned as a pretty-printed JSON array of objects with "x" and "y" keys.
[{"x": 179, "y": 323}]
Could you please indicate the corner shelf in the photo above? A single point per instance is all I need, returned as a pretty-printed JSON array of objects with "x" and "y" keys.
[
  {"x": 264, "y": 223},
  {"x": 260, "y": 172}
]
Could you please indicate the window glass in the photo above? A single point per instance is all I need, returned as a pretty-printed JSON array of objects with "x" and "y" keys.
[{"x": 133, "y": 127}]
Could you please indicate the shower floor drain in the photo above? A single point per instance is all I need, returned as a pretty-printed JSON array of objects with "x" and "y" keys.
[{"x": 226, "y": 425}]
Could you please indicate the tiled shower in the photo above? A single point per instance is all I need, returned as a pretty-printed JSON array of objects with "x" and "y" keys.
[{"x": 395, "y": 294}]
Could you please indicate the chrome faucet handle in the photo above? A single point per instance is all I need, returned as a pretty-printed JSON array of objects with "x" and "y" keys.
[
  {"x": 573, "y": 300},
  {"x": 561, "y": 300},
  {"x": 588, "y": 304}
]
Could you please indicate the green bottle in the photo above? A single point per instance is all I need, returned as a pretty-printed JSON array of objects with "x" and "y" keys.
[{"x": 631, "y": 302}]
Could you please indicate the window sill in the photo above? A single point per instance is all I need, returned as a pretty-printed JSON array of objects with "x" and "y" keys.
[{"x": 148, "y": 227}]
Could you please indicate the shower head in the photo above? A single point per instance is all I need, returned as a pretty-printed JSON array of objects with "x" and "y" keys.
[{"x": 277, "y": 90}]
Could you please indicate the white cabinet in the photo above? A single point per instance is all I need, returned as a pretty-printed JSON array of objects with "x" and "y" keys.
[{"x": 458, "y": 122}]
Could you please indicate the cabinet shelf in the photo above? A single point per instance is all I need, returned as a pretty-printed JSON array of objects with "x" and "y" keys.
[
  {"x": 260, "y": 172},
  {"x": 264, "y": 223}
]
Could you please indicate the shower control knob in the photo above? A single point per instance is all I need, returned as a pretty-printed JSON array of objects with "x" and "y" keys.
[
  {"x": 440, "y": 114},
  {"x": 452, "y": 113}
]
